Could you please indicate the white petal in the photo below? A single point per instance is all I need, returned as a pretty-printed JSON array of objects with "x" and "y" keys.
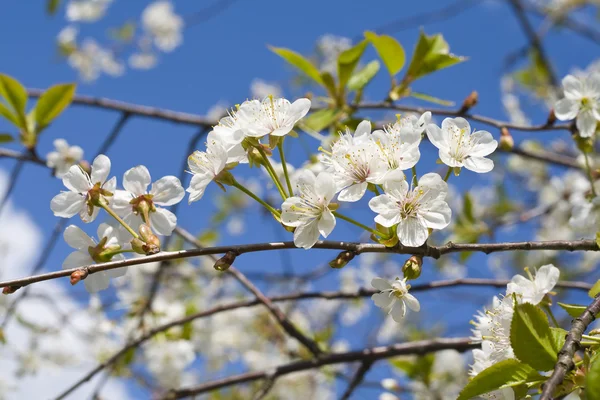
[
  {"x": 306, "y": 235},
  {"x": 586, "y": 123},
  {"x": 412, "y": 232},
  {"x": 398, "y": 311},
  {"x": 433, "y": 186},
  {"x": 299, "y": 109},
  {"x": 573, "y": 87},
  {"x": 96, "y": 282},
  {"x": 67, "y": 204},
  {"x": 77, "y": 180},
  {"x": 380, "y": 284},
  {"x": 483, "y": 144},
  {"x": 163, "y": 221},
  {"x": 325, "y": 187},
  {"x": 110, "y": 185},
  {"x": 436, "y": 136},
  {"x": 354, "y": 192},
  {"x": 382, "y": 300},
  {"x": 136, "y": 180},
  {"x": 460, "y": 123},
  {"x": 100, "y": 169},
  {"x": 384, "y": 205},
  {"x": 77, "y": 259},
  {"x": 566, "y": 109},
  {"x": 479, "y": 164},
  {"x": 397, "y": 189},
  {"x": 117, "y": 272},
  {"x": 547, "y": 277},
  {"x": 197, "y": 187},
  {"x": 167, "y": 191},
  {"x": 77, "y": 238},
  {"x": 87, "y": 218},
  {"x": 362, "y": 130},
  {"x": 120, "y": 202},
  {"x": 292, "y": 213},
  {"x": 412, "y": 302},
  {"x": 61, "y": 145},
  {"x": 437, "y": 216},
  {"x": 448, "y": 159},
  {"x": 326, "y": 223}
]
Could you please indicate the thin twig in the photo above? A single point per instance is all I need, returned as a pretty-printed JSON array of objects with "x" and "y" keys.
[
  {"x": 358, "y": 377},
  {"x": 12, "y": 183},
  {"x": 565, "y": 363}
]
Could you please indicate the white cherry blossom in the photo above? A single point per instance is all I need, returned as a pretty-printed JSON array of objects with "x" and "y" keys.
[
  {"x": 272, "y": 116},
  {"x": 394, "y": 297},
  {"x": 160, "y": 21},
  {"x": 91, "y": 59},
  {"x": 86, "y": 10},
  {"x": 308, "y": 212},
  {"x": 414, "y": 211},
  {"x": 458, "y": 147},
  {"x": 90, "y": 252},
  {"x": 205, "y": 167},
  {"x": 63, "y": 157},
  {"x": 168, "y": 359},
  {"x": 84, "y": 190},
  {"x": 136, "y": 199},
  {"x": 533, "y": 290},
  {"x": 355, "y": 161},
  {"x": 230, "y": 134},
  {"x": 399, "y": 143},
  {"x": 581, "y": 101}
]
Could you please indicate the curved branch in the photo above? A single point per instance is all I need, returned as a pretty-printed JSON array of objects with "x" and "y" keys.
[
  {"x": 425, "y": 251},
  {"x": 367, "y": 355},
  {"x": 564, "y": 363}
]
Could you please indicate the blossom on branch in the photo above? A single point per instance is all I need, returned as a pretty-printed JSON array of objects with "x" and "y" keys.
[
  {"x": 86, "y": 192},
  {"x": 308, "y": 212},
  {"x": 394, "y": 297},
  {"x": 534, "y": 289},
  {"x": 63, "y": 157},
  {"x": 205, "y": 167},
  {"x": 272, "y": 116},
  {"x": 580, "y": 102},
  {"x": 413, "y": 211},
  {"x": 458, "y": 147},
  {"x": 137, "y": 205},
  {"x": 163, "y": 25}
]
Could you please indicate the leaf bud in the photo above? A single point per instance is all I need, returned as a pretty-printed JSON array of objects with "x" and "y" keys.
[
  {"x": 412, "y": 267},
  {"x": 342, "y": 259},
  {"x": 223, "y": 263}
]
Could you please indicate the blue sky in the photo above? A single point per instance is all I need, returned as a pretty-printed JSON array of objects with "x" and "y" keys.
[{"x": 218, "y": 61}]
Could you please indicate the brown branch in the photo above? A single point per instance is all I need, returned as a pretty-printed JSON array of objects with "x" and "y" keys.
[
  {"x": 358, "y": 377},
  {"x": 7, "y": 153},
  {"x": 366, "y": 355},
  {"x": 425, "y": 251},
  {"x": 296, "y": 297},
  {"x": 564, "y": 363}
]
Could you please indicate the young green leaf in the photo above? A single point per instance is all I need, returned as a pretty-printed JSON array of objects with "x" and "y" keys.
[
  {"x": 362, "y": 78},
  {"x": 299, "y": 62},
  {"x": 329, "y": 83},
  {"x": 431, "y": 54},
  {"x": 574, "y": 310},
  {"x": 592, "y": 380},
  {"x": 15, "y": 96},
  {"x": 504, "y": 374},
  {"x": 391, "y": 52},
  {"x": 558, "y": 338},
  {"x": 320, "y": 120},
  {"x": 595, "y": 289},
  {"x": 52, "y": 103},
  {"x": 531, "y": 338},
  {"x": 52, "y": 6},
  {"x": 348, "y": 60},
  {"x": 6, "y": 138},
  {"x": 6, "y": 113},
  {"x": 431, "y": 99}
]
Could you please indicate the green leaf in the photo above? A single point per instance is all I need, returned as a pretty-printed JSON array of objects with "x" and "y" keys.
[
  {"x": 574, "y": 310},
  {"x": 390, "y": 51},
  {"x": 598, "y": 239},
  {"x": 329, "y": 83},
  {"x": 531, "y": 338},
  {"x": 595, "y": 289},
  {"x": 558, "y": 338},
  {"x": 16, "y": 96},
  {"x": 362, "y": 78},
  {"x": 299, "y": 62},
  {"x": 348, "y": 60},
  {"x": 52, "y": 6},
  {"x": 124, "y": 33},
  {"x": 6, "y": 113},
  {"x": 468, "y": 208},
  {"x": 592, "y": 380},
  {"x": 431, "y": 99},
  {"x": 431, "y": 54},
  {"x": 52, "y": 103},
  {"x": 320, "y": 120},
  {"x": 6, "y": 138},
  {"x": 506, "y": 373}
]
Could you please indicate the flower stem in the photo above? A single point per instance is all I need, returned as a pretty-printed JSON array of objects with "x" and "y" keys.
[
  {"x": 236, "y": 184},
  {"x": 588, "y": 169},
  {"x": 119, "y": 220},
  {"x": 366, "y": 228},
  {"x": 271, "y": 171},
  {"x": 284, "y": 165},
  {"x": 448, "y": 174},
  {"x": 414, "y": 172}
]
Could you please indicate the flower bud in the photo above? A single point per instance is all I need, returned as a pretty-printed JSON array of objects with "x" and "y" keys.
[
  {"x": 551, "y": 118},
  {"x": 342, "y": 259},
  {"x": 390, "y": 384},
  {"x": 151, "y": 242},
  {"x": 138, "y": 246},
  {"x": 225, "y": 178},
  {"x": 78, "y": 275},
  {"x": 10, "y": 289},
  {"x": 586, "y": 145},
  {"x": 469, "y": 102},
  {"x": 223, "y": 263},
  {"x": 412, "y": 267},
  {"x": 507, "y": 143}
]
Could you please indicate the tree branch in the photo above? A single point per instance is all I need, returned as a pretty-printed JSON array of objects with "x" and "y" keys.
[
  {"x": 358, "y": 377},
  {"x": 425, "y": 251},
  {"x": 564, "y": 363},
  {"x": 366, "y": 355}
]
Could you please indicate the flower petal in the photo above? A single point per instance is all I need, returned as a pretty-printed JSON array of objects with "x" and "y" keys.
[
  {"x": 136, "y": 180},
  {"x": 299, "y": 109},
  {"x": 167, "y": 191},
  {"x": 163, "y": 221},
  {"x": 77, "y": 259},
  {"x": 67, "y": 204},
  {"x": 382, "y": 300},
  {"x": 573, "y": 87},
  {"x": 483, "y": 144},
  {"x": 437, "y": 215},
  {"x": 566, "y": 109},
  {"x": 436, "y": 136},
  {"x": 96, "y": 282},
  {"x": 326, "y": 223},
  {"x": 77, "y": 238},
  {"x": 292, "y": 212},
  {"x": 586, "y": 123},
  {"x": 77, "y": 180},
  {"x": 412, "y": 232},
  {"x": 100, "y": 169},
  {"x": 412, "y": 302},
  {"x": 354, "y": 192},
  {"x": 398, "y": 311},
  {"x": 325, "y": 187},
  {"x": 306, "y": 235},
  {"x": 479, "y": 164},
  {"x": 380, "y": 284}
]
